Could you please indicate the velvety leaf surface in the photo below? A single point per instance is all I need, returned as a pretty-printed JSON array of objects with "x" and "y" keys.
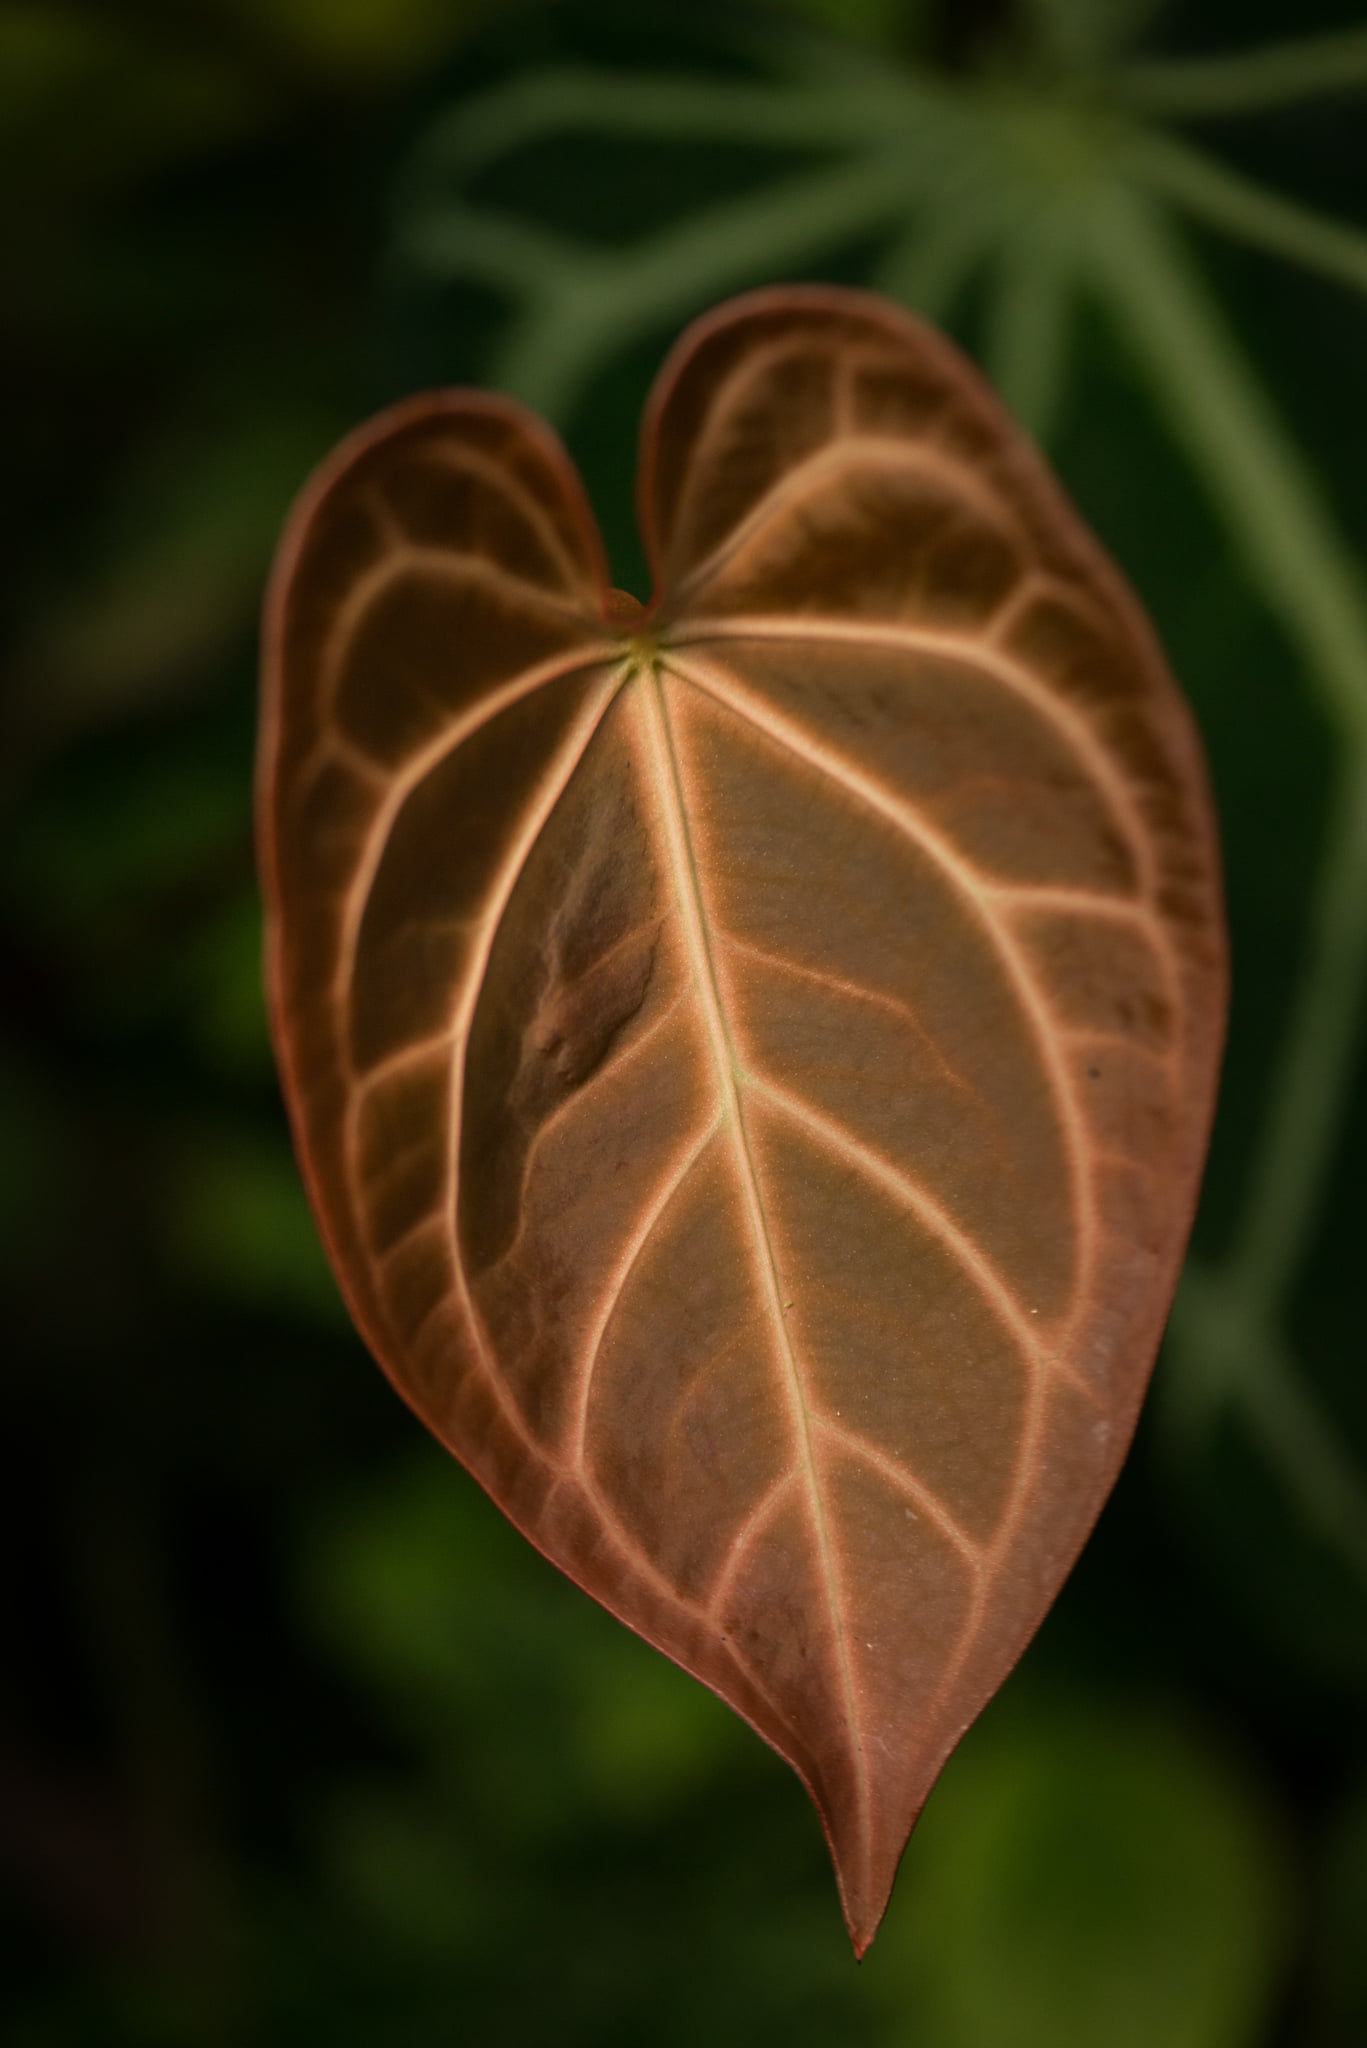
[{"x": 752, "y": 1059}]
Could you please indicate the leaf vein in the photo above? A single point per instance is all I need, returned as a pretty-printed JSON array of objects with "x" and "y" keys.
[
  {"x": 636, "y": 1245},
  {"x": 764, "y": 719},
  {"x": 905, "y": 1481},
  {"x": 1069, "y": 724},
  {"x": 683, "y": 861},
  {"x": 834, "y": 1138}
]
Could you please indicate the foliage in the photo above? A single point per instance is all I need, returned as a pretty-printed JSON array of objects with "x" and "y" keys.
[
  {"x": 238, "y": 1803},
  {"x": 719, "y": 1038}
]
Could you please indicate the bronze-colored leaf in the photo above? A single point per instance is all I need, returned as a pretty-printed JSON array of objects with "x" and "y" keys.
[{"x": 751, "y": 1058}]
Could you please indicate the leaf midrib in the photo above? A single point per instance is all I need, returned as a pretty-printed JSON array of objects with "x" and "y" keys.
[{"x": 683, "y": 865}]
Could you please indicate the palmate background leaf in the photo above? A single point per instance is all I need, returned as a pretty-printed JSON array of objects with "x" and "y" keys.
[
  {"x": 1045, "y": 182},
  {"x": 752, "y": 1059}
]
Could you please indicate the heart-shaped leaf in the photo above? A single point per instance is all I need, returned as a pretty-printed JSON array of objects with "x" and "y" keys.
[{"x": 751, "y": 1058}]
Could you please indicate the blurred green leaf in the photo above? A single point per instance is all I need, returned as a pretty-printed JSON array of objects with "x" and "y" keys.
[
  {"x": 34, "y": 1157},
  {"x": 1095, "y": 1875},
  {"x": 405, "y": 1872},
  {"x": 182, "y": 549},
  {"x": 87, "y": 103},
  {"x": 361, "y": 36},
  {"x": 221, "y": 970},
  {"x": 875, "y": 21},
  {"x": 1341, "y": 1931},
  {"x": 1087, "y": 32},
  {"x": 437, "y": 1602},
  {"x": 100, "y": 845},
  {"x": 238, "y": 1224}
]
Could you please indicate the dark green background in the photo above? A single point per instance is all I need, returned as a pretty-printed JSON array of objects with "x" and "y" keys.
[{"x": 297, "y": 1741}]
